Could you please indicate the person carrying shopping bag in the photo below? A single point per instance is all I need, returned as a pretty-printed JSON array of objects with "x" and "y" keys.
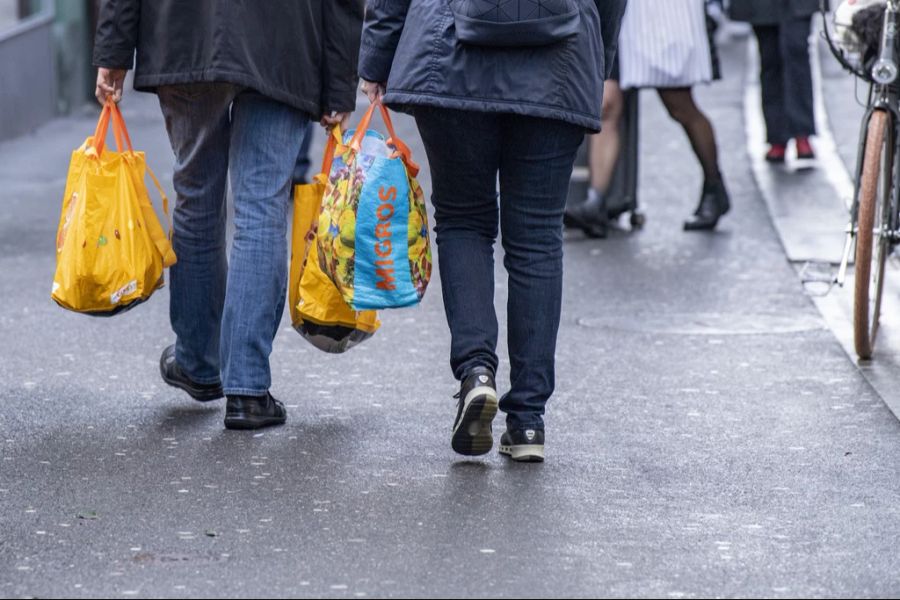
[
  {"x": 782, "y": 28},
  {"x": 508, "y": 92},
  {"x": 238, "y": 82}
]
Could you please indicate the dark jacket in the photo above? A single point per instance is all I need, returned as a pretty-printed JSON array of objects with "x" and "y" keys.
[
  {"x": 414, "y": 47},
  {"x": 771, "y": 12},
  {"x": 300, "y": 52}
]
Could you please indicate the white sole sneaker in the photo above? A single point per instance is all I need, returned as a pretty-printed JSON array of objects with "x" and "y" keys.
[
  {"x": 473, "y": 435},
  {"x": 524, "y": 452}
]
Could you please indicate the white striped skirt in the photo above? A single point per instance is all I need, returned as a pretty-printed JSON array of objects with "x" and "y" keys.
[{"x": 664, "y": 44}]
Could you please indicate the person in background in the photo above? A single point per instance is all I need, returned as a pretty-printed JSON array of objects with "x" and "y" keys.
[
  {"x": 782, "y": 28},
  {"x": 238, "y": 83},
  {"x": 592, "y": 215},
  {"x": 440, "y": 61},
  {"x": 664, "y": 46}
]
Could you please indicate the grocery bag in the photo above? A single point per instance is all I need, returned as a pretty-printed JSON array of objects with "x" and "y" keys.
[
  {"x": 318, "y": 310},
  {"x": 110, "y": 246},
  {"x": 373, "y": 237}
]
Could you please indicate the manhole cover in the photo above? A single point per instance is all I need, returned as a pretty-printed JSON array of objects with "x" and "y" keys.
[{"x": 706, "y": 323}]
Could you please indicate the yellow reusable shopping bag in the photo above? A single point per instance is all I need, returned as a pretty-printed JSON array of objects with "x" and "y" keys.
[
  {"x": 110, "y": 246},
  {"x": 318, "y": 310}
]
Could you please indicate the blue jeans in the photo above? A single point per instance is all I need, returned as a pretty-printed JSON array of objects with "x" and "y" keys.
[
  {"x": 534, "y": 158},
  {"x": 225, "y": 313}
]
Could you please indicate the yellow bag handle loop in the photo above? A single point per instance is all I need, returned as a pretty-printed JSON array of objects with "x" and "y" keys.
[
  {"x": 164, "y": 243},
  {"x": 165, "y": 200}
]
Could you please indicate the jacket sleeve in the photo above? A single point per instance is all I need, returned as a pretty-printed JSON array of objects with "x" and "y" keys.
[
  {"x": 342, "y": 23},
  {"x": 611, "y": 12},
  {"x": 117, "y": 33},
  {"x": 384, "y": 24}
]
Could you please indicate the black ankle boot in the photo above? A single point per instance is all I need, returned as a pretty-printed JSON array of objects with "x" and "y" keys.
[
  {"x": 591, "y": 216},
  {"x": 714, "y": 203}
]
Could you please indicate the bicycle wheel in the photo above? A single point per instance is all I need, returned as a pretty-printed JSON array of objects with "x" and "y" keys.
[{"x": 873, "y": 228}]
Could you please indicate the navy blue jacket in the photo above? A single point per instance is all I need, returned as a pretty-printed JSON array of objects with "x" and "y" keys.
[{"x": 413, "y": 46}]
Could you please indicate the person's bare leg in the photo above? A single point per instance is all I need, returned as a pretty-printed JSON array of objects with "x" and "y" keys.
[{"x": 605, "y": 146}]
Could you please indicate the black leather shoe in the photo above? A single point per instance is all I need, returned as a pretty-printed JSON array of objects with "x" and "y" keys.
[
  {"x": 174, "y": 376},
  {"x": 714, "y": 203},
  {"x": 591, "y": 216},
  {"x": 254, "y": 412}
]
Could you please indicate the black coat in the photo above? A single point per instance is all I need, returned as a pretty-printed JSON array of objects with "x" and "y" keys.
[
  {"x": 413, "y": 45},
  {"x": 771, "y": 12},
  {"x": 300, "y": 52}
]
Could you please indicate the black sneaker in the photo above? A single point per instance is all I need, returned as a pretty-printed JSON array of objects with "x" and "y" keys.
[
  {"x": 523, "y": 445},
  {"x": 472, "y": 433},
  {"x": 254, "y": 412},
  {"x": 174, "y": 376}
]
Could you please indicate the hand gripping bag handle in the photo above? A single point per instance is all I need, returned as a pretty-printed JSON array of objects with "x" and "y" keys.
[{"x": 402, "y": 150}]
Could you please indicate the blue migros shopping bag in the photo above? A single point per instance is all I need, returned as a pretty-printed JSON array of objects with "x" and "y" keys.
[{"x": 373, "y": 237}]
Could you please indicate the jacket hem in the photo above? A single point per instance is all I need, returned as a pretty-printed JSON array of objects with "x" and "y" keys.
[
  {"x": 404, "y": 100},
  {"x": 149, "y": 82}
]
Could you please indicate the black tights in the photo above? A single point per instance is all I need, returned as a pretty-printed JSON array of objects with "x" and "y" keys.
[{"x": 681, "y": 106}]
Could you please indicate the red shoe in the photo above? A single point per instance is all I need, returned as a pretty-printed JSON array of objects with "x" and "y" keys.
[
  {"x": 776, "y": 153},
  {"x": 804, "y": 149}
]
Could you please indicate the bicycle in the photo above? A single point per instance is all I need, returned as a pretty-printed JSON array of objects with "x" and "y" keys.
[{"x": 874, "y": 228}]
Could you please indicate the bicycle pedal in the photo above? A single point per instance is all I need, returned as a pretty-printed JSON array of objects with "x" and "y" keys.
[{"x": 817, "y": 278}]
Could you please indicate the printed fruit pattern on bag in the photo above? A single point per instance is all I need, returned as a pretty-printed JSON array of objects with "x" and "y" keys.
[
  {"x": 417, "y": 237},
  {"x": 341, "y": 199}
]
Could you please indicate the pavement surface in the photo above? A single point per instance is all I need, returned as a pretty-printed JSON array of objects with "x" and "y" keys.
[{"x": 709, "y": 436}]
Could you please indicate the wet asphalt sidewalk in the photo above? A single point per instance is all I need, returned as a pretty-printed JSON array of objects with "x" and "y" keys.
[{"x": 709, "y": 436}]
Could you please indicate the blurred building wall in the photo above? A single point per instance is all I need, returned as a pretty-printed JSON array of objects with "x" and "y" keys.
[{"x": 45, "y": 66}]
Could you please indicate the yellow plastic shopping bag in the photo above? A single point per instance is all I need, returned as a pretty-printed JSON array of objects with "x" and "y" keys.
[
  {"x": 110, "y": 246},
  {"x": 318, "y": 310}
]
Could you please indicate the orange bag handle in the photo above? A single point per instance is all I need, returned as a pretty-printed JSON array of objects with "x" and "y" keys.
[
  {"x": 112, "y": 113},
  {"x": 119, "y": 128},
  {"x": 334, "y": 138},
  {"x": 402, "y": 150},
  {"x": 98, "y": 140}
]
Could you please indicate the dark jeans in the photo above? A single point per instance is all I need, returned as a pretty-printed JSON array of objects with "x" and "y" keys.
[
  {"x": 786, "y": 79},
  {"x": 534, "y": 158}
]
